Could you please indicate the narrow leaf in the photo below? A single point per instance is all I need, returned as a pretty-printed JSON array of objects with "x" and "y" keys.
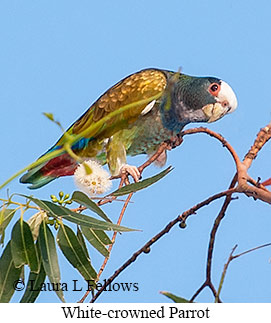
[
  {"x": 49, "y": 257},
  {"x": 85, "y": 220},
  {"x": 94, "y": 240},
  {"x": 35, "y": 281},
  {"x": 49, "y": 115},
  {"x": 103, "y": 237},
  {"x": 33, "y": 287},
  {"x": 22, "y": 246},
  {"x": 9, "y": 275},
  {"x": 78, "y": 218},
  {"x": 142, "y": 184},
  {"x": 174, "y": 298},
  {"x": 5, "y": 217},
  {"x": 84, "y": 200},
  {"x": 73, "y": 251},
  {"x": 81, "y": 240}
]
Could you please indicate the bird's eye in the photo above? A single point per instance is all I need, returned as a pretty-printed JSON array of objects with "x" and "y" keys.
[{"x": 214, "y": 89}]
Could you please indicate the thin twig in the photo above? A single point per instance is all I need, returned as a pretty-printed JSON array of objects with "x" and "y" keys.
[
  {"x": 208, "y": 281},
  {"x": 213, "y": 233},
  {"x": 223, "y": 274},
  {"x": 114, "y": 235},
  {"x": 232, "y": 257},
  {"x": 251, "y": 250}
]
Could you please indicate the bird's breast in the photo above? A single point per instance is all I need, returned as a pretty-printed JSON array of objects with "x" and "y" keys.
[{"x": 148, "y": 133}]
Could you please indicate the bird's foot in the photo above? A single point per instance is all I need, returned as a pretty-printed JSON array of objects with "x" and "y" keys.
[
  {"x": 132, "y": 170},
  {"x": 174, "y": 142}
]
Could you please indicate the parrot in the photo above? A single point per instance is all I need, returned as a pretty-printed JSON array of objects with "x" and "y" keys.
[{"x": 180, "y": 99}]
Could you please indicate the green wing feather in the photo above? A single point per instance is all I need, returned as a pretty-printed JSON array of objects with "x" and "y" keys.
[{"x": 142, "y": 85}]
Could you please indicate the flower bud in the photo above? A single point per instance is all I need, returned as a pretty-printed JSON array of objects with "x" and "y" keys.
[{"x": 61, "y": 194}]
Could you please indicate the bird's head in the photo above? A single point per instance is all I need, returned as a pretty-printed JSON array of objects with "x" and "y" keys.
[
  {"x": 223, "y": 97},
  {"x": 198, "y": 99}
]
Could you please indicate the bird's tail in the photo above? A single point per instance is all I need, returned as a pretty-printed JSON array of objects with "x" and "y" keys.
[{"x": 43, "y": 174}]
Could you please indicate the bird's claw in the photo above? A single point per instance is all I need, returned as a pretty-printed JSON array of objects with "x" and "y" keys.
[
  {"x": 174, "y": 142},
  {"x": 132, "y": 170}
]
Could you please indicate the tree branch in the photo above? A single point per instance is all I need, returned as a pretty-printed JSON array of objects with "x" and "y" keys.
[
  {"x": 218, "y": 137},
  {"x": 257, "y": 192},
  {"x": 181, "y": 218},
  {"x": 262, "y": 138}
]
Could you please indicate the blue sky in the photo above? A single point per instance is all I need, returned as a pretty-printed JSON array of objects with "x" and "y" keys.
[{"x": 59, "y": 56}]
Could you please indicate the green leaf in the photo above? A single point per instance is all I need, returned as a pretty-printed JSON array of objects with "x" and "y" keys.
[
  {"x": 93, "y": 223},
  {"x": 84, "y": 200},
  {"x": 78, "y": 218},
  {"x": 142, "y": 184},
  {"x": 33, "y": 287},
  {"x": 49, "y": 115},
  {"x": 5, "y": 217},
  {"x": 103, "y": 237},
  {"x": 35, "y": 281},
  {"x": 49, "y": 257},
  {"x": 94, "y": 240},
  {"x": 9, "y": 274},
  {"x": 22, "y": 246},
  {"x": 81, "y": 240},
  {"x": 73, "y": 251},
  {"x": 174, "y": 298}
]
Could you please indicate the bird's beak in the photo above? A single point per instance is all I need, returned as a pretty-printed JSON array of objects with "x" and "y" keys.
[{"x": 215, "y": 111}]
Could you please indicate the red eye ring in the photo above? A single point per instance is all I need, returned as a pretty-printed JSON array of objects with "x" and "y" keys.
[{"x": 214, "y": 89}]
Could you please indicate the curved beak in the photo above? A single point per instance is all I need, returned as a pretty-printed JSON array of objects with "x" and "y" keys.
[{"x": 215, "y": 111}]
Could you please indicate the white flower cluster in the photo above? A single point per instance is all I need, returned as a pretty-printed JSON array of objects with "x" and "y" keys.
[{"x": 91, "y": 178}]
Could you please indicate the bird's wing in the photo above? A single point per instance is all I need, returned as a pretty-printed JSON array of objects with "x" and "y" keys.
[{"x": 142, "y": 85}]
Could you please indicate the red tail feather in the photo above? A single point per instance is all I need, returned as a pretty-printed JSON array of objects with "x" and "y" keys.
[{"x": 62, "y": 165}]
